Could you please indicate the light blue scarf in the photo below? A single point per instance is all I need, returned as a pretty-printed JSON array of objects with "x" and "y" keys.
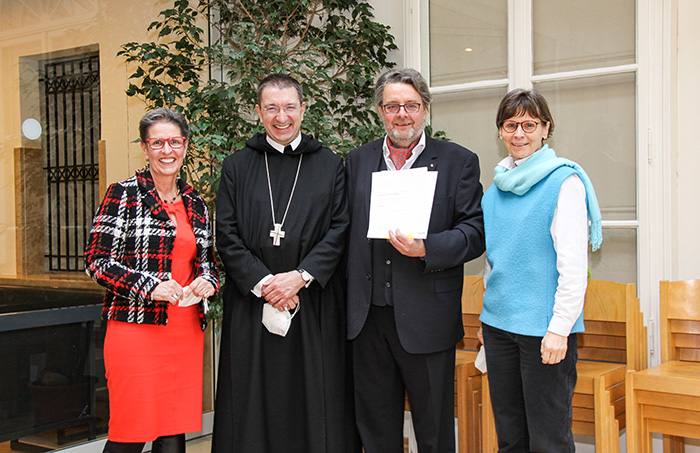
[{"x": 538, "y": 166}]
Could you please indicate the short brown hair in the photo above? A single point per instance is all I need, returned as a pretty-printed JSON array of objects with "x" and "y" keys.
[
  {"x": 280, "y": 81},
  {"x": 520, "y": 102}
]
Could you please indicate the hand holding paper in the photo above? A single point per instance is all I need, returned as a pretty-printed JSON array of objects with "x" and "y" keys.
[
  {"x": 407, "y": 245},
  {"x": 189, "y": 300}
]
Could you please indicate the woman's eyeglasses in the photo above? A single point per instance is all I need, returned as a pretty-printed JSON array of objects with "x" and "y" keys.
[
  {"x": 176, "y": 142},
  {"x": 512, "y": 126}
]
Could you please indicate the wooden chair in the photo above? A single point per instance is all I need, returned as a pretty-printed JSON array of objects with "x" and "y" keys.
[
  {"x": 666, "y": 398},
  {"x": 614, "y": 341}
]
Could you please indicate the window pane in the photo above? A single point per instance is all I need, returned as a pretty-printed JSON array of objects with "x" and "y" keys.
[
  {"x": 573, "y": 35},
  {"x": 469, "y": 118},
  {"x": 595, "y": 126},
  {"x": 475, "y": 266},
  {"x": 616, "y": 260},
  {"x": 458, "y": 25}
]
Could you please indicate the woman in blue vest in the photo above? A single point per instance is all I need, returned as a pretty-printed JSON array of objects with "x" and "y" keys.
[{"x": 536, "y": 217}]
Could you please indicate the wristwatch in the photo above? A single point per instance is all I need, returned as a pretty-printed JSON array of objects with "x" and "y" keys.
[{"x": 308, "y": 278}]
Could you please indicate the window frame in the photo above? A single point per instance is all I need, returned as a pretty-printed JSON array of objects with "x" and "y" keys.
[{"x": 653, "y": 72}]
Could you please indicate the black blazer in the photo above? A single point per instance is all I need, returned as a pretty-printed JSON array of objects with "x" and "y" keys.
[{"x": 426, "y": 292}]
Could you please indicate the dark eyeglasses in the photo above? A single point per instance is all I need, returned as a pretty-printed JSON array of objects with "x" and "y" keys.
[
  {"x": 176, "y": 142},
  {"x": 393, "y": 109}
]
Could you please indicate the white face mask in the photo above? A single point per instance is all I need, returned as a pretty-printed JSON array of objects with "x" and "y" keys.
[{"x": 276, "y": 321}]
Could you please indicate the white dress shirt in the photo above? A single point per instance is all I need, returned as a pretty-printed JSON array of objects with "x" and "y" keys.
[{"x": 569, "y": 232}]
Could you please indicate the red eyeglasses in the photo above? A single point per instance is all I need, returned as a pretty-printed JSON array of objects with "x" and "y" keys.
[{"x": 176, "y": 142}]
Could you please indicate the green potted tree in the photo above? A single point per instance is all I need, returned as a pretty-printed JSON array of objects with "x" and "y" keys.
[{"x": 333, "y": 47}]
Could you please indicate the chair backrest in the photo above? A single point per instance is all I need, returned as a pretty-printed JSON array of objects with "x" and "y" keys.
[
  {"x": 680, "y": 320},
  {"x": 472, "y": 301},
  {"x": 614, "y": 325},
  {"x": 615, "y": 330}
]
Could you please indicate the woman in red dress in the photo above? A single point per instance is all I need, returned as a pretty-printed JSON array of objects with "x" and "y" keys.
[{"x": 151, "y": 247}]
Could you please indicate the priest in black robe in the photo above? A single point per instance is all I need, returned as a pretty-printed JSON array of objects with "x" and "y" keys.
[{"x": 281, "y": 220}]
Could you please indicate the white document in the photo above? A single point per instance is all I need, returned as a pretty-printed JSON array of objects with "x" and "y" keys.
[
  {"x": 401, "y": 200},
  {"x": 189, "y": 300},
  {"x": 480, "y": 360}
]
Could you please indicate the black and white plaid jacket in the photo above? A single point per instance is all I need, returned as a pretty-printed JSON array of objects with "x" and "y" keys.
[{"x": 130, "y": 245}]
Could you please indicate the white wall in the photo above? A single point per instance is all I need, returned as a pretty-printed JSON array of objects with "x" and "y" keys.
[
  {"x": 686, "y": 263},
  {"x": 686, "y": 151},
  {"x": 393, "y": 13}
]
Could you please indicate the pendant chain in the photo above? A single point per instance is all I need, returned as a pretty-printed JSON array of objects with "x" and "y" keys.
[
  {"x": 277, "y": 233},
  {"x": 177, "y": 194}
]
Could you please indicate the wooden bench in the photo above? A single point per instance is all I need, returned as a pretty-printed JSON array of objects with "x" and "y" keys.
[
  {"x": 615, "y": 341},
  {"x": 666, "y": 398}
]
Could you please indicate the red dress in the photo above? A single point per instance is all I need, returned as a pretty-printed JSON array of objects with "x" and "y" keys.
[{"x": 154, "y": 373}]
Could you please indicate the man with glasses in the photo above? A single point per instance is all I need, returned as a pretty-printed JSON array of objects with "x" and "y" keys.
[
  {"x": 404, "y": 294},
  {"x": 281, "y": 220}
]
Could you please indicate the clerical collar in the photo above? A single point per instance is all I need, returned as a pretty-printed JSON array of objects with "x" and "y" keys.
[{"x": 295, "y": 143}]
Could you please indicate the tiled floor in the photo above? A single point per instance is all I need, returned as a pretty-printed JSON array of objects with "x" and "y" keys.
[
  {"x": 199, "y": 445},
  {"x": 203, "y": 445}
]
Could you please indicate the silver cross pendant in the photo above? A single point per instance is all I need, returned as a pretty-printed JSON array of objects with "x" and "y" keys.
[{"x": 277, "y": 234}]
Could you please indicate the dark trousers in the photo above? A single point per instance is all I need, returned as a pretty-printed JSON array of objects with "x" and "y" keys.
[
  {"x": 531, "y": 401},
  {"x": 384, "y": 372}
]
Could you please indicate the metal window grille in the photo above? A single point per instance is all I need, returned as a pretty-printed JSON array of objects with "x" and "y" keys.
[{"x": 71, "y": 88}]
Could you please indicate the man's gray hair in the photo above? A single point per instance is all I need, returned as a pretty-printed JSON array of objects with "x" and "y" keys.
[{"x": 406, "y": 75}]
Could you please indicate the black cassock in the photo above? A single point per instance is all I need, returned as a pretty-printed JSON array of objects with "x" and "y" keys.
[{"x": 294, "y": 393}]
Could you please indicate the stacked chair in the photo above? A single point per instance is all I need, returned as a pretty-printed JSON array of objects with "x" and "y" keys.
[
  {"x": 613, "y": 343},
  {"x": 666, "y": 398}
]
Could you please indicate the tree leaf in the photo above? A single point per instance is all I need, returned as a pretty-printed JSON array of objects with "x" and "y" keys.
[{"x": 333, "y": 47}]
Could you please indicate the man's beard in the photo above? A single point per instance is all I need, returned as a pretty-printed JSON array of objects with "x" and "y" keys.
[{"x": 403, "y": 141}]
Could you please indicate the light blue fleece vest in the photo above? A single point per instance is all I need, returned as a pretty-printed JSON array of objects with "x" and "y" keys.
[{"x": 520, "y": 288}]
